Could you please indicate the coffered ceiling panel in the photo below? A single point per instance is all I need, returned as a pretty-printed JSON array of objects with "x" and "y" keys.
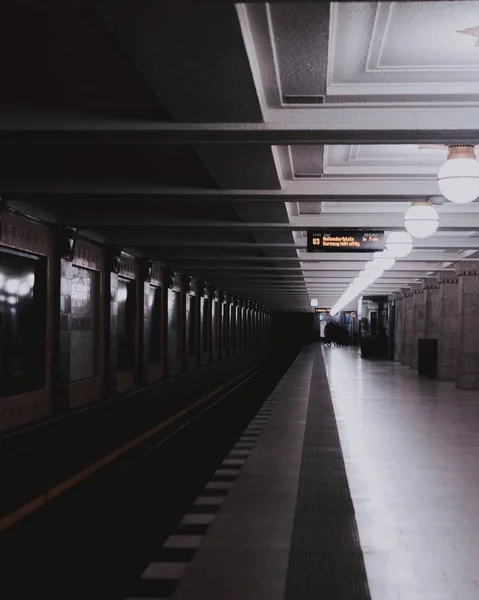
[
  {"x": 306, "y": 161},
  {"x": 373, "y": 160},
  {"x": 300, "y": 40},
  {"x": 404, "y": 48}
]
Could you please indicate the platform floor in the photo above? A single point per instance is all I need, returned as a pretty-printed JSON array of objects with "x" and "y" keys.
[
  {"x": 411, "y": 448},
  {"x": 403, "y": 524}
]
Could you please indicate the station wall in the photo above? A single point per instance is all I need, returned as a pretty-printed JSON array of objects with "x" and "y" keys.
[{"x": 82, "y": 323}]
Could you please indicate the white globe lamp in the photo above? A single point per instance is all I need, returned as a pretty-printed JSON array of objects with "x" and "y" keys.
[
  {"x": 421, "y": 219},
  {"x": 458, "y": 178},
  {"x": 365, "y": 283},
  {"x": 367, "y": 277},
  {"x": 384, "y": 260},
  {"x": 373, "y": 270},
  {"x": 399, "y": 244}
]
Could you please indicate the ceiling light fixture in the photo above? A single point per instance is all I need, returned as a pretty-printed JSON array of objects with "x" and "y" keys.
[
  {"x": 399, "y": 244},
  {"x": 357, "y": 287},
  {"x": 458, "y": 178},
  {"x": 384, "y": 260},
  {"x": 421, "y": 219},
  {"x": 373, "y": 269}
]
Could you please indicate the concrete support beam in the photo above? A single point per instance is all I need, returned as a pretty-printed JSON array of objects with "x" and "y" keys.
[
  {"x": 332, "y": 124},
  {"x": 398, "y": 326},
  {"x": 467, "y": 371},
  {"x": 418, "y": 320},
  {"x": 448, "y": 326},
  {"x": 432, "y": 307},
  {"x": 408, "y": 331}
]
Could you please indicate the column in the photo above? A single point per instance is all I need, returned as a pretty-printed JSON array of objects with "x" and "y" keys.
[
  {"x": 112, "y": 363},
  {"x": 391, "y": 327},
  {"x": 467, "y": 370},
  {"x": 407, "y": 328},
  {"x": 418, "y": 319},
  {"x": 432, "y": 307},
  {"x": 233, "y": 350},
  {"x": 62, "y": 379},
  {"x": 398, "y": 326},
  {"x": 448, "y": 326}
]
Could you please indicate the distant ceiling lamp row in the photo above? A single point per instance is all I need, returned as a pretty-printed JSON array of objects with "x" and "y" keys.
[
  {"x": 421, "y": 220},
  {"x": 458, "y": 177},
  {"x": 372, "y": 271}
]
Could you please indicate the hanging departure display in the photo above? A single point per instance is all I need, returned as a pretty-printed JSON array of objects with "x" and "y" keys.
[{"x": 345, "y": 240}]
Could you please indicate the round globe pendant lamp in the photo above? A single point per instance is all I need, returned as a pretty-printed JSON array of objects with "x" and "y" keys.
[
  {"x": 421, "y": 219},
  {"x": 458, "y": 178},
  {"x": 373, "y": 270},
  {"x": 384, "y": 260},
  {"x": 365, "y": 278},
  {"x": 399, "y": 244},
  {"x": 362, "y": 284}
]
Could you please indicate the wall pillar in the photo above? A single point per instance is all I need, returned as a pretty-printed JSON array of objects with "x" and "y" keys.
[
  {"x": 407, "y": 328},
  {"x": 467, "y": 369},
  {"x": 216, "y": 325},
  {"x": 192, "y": 324},
  {"x": 240, "y": 327},
  {"x": 432, "y": 307},
  {"x": 225, "y": 327},
  {"x": 205, "y": 300},
  {"x": 62, "y": 391},
  {"x": 145, "y": 318},
  {"x": 448, "y": 326},
  {"x": 418, "y": 320},
  {"x": 398, "y": 326},
  {"x": 112, "y": 329},
  {"x": 391, "y": 326},
  {"x": 233, "y": 326}
]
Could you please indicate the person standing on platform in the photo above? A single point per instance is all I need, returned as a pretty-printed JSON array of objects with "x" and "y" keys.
[
  {"x": 336, "y": 334},
  {"x": 328, "y": 334}
]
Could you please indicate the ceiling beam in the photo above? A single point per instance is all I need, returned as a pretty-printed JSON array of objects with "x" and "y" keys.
[
  {"x": 209, "y": 271},
  {"x": 333, "y": 124},
  {"x": 162, "y": 194},
  {"x": 352, "y": 189},
  {"x": 335, "y": 259},
  {"x": 369, "y": 221},
  {"x": 434, "y": 242}
]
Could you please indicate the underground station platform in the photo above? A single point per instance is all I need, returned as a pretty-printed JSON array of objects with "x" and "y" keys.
[
  {"x": 239, "y": 299},
  {"x": 354, "y": 480}
]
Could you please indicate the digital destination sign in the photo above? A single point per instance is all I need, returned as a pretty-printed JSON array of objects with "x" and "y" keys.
[
  {"x": 345, "y": 240},
  {"x": 321, "y": 310}
]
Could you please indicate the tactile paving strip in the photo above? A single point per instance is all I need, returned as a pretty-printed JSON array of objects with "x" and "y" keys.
[{"x": 326, "y": 560}]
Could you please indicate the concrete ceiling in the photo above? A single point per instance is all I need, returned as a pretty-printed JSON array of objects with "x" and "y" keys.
[{"x": 212, "y": 136}]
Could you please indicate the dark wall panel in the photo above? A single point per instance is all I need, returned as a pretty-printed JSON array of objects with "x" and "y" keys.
[
  {"x": 27, "y": 339},
  {"x": 83, "y": 343},
  {"x": 22, "y": 323},
  {"x": 82, "y": 323},
  {"x": 126, "y": 319}
]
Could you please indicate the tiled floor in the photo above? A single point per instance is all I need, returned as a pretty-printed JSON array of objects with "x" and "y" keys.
[{"x": 411, "y": 448}]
